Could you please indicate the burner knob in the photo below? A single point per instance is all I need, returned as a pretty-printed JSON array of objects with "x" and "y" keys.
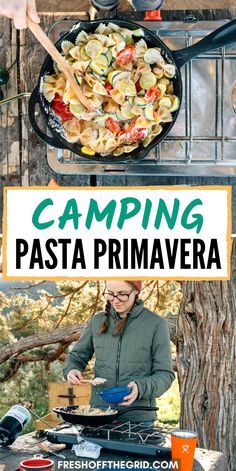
[{"x": 153, "y": 15}]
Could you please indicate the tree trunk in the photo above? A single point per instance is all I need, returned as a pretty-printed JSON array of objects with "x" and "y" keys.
[{"x": 206, "y": 362}]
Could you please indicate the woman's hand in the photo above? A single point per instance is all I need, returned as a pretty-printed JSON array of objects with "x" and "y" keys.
[
  {"x": 132, "y": 396},
  {"x": 17, "y": 10},
  {"x": 75, "y": 377}
]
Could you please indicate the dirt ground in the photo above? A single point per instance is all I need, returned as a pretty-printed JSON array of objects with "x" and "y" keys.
[{"x": 83, "y": 5}]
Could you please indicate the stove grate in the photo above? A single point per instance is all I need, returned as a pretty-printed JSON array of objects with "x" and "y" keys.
[
  {"x": 203, "y": 139},
  {"x": 128, "y": 432}
]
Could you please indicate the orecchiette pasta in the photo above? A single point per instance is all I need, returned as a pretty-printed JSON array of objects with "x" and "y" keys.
[{"x": 128, "y": 83}]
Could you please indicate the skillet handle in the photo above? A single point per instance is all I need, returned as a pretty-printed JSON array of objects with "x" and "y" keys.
[
  {"x": 137, "y": 408},
  {"x": 33, "y": 101},
  {"x": 223, "y": 36}
]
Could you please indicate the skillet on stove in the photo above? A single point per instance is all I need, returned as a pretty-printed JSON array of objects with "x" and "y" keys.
[
  {"x": 223, "y": 36},
  {"x": 95, "y": 420}
]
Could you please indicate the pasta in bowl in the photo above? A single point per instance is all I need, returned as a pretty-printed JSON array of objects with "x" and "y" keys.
[{"x": 129, "y": 82}]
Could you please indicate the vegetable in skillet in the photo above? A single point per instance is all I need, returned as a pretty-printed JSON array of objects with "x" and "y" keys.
[{"x": 129, "y": 84}]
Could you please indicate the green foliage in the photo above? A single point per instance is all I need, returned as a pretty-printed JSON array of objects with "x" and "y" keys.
[
  {"x": 163, "y": 297},
  {"x": 40, "y": 308},
  {"x": 169, "y": 406},
  {"x": 30, "y": 389}
]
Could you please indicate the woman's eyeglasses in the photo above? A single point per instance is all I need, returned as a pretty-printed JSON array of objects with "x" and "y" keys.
[{"x": 120, "y": 296}]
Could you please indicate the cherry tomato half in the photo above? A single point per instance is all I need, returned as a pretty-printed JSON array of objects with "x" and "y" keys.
[
  {"x": 108, "y": 86},
  {"x": 121, "y": 131},
  {"x": 132, "y": 124},
  {"x": 112, "y": 125},
  {"x": 61, "y": 109},
  {"x": 125, "y": 56},
  {"x": 153, "y": 93}
]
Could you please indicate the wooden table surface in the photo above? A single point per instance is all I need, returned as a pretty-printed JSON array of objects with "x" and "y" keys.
[
  {"x": 26, "y": 446},
  {"x": 22, "y": 153}
]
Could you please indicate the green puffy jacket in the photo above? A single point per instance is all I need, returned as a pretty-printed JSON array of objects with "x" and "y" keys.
[{"x": 141, "y": 354}]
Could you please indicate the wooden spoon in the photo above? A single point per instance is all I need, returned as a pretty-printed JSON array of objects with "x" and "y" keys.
[
  {"x": 95, "y": 381},
  {"x": 57, "y": 57}
]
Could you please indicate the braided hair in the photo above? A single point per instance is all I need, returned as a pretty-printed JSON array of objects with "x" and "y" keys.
[
  {"x": 105, "y": 323},
  {"x": 120, "y": 326}
]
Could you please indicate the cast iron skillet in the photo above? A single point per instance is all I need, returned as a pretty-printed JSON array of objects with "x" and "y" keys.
[
  {"x": 94, "y": 421},
  {"x": 223, "y": 36}
]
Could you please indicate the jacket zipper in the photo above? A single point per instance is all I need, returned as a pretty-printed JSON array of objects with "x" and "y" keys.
[
  {"x": 118, "y": 360},
  {"x": 118, "y": 357}
]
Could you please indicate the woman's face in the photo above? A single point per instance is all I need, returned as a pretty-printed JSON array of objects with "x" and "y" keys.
[{"x": 121, "y": 288}]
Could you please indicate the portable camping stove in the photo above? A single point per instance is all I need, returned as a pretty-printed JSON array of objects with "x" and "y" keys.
[
  {"x": 121, "y": 437},
  {"x": 203, "y": 140}
]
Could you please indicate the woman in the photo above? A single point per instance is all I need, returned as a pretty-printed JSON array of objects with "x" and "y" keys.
[
  {"x": 17, "y": 9},
  {"x": 131, "y": 346}
]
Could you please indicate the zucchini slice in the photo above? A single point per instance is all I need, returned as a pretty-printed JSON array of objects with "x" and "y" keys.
[
  {"x": 99, "y": 64},
  {"x": 141, "y": 93},
  {"x": 138, "y": 33},
  {"x": 118, "y": 37},
  {"x": 77, "y": 110},
  {"x": 148, "y": 112},
  {"x": 126, "y": 111},
  {"x": 129, "y": 40},
  {"x": 164, "y": 80},
  {"x": 165, "y": 101},
  {"x": 127, "y": 87},
  {"x": 121, "y": 75},
  {"x": 83, "y": 54},
  {"x": 93, "y": 48},
  {"x": 147, "y": 80},
  {"x": 139, "y": 101},
  {"x": 112, "y": 74},
  {"x": 109, "y": 56},
  {"x": 131, "y": 100},
  {"x": 175, "y": 103},
  {"x": 162, "y": 88}
]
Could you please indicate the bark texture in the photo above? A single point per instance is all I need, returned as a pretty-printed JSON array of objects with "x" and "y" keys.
[
  {"x": 62, "y": 336},
  {"x": 206, "y": 363}
]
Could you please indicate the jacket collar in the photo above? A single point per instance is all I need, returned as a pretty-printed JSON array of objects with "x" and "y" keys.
[{"x": 135, "y": 310}]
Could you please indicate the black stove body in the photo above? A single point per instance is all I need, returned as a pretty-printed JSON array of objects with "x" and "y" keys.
[{"x": 130, "y": 438}]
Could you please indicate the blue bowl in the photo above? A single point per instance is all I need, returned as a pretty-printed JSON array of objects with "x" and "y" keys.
[{"x": 114, "y": 395}]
